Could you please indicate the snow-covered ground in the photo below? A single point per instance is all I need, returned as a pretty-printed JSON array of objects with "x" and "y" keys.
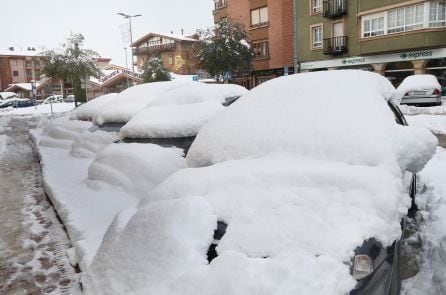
[
  {"x": 39, "y": 109},
  {"x": 431, "y": 279}
]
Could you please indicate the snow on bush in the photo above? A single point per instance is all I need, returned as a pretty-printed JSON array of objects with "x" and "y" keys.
[
  {"x": 301, "y": 178},
  {"x": 132, "y": 100},
  {"x": 417, "y": 82},
  {"x": 87, "y": 110},
  {"x": 136, "y": 168},
  {"x": 434, "y": 123},
  {"x": 87, "y": 144}
]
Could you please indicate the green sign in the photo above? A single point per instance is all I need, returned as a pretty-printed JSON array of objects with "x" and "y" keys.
[
  {"x": 353, "y": 61},
  {"x": 416, "y": 54}
]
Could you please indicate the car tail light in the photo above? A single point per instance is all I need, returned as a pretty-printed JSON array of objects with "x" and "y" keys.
[
  {"x": 436, "y": 92},
  {"x": 407, "y": 94},
  {"x": 362, "y": 266}
]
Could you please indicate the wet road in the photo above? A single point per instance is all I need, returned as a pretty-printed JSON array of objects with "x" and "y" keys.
[
  {"x": 33, "y": 243},
  {"x": 441, "y": 140}
]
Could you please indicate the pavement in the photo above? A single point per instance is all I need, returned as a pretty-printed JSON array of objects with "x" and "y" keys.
[{"x": 33, "y": 243}]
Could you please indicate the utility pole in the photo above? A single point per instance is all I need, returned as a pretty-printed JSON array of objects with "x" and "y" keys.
[{"x": 129, "y": 17}]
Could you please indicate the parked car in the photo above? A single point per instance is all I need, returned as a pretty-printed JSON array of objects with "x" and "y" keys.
[
  {"x": 420, "y": 90},
  {"x": 5, "y": 95},
  {"x": 69, "y": 98},
  {"x": 53, "y": 99},
  {"x": 16, "y": 102},
  {"x": 289, "y": 190}
]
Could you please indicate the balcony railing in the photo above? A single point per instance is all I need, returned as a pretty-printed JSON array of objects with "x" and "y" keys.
[
  {"x": 335, "y": 45},
  {"x": 334, "y": 8},
  {"x": 155, "y": 48}
]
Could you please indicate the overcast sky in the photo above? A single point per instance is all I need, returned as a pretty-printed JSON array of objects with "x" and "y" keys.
[{"x": 47, "y": 23}]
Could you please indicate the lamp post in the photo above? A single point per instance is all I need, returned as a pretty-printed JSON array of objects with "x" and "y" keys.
[
  {"x": 131, "y": 36},
  {"x": 33, "y": 91},
  {"x": 126, "y": 66}
]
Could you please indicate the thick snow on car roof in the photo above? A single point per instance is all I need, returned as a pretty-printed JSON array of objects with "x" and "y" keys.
[
  {"x": 86, "y": 111},
  {"x": 180, "y": 112},
  {"x": 417, "y": 82},
  {"x": 132, "y": 100},
  {"x": 294, "y": 215},
  {"x": 340, "y": 116}
]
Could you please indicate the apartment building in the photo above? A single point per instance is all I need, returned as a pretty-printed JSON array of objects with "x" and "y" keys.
[
  {"x": 269, "y": 24},
  {"x": 174, "y": 50},
  {"x": 17, "y": 66},
  {"x": 395, "y": 38}
]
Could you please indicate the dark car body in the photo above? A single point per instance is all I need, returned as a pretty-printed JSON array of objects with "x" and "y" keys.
[{"x": 385, "y": 278}]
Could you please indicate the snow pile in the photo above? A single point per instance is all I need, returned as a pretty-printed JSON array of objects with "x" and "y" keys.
[
  {"x": 136, "y": 168},
  {"x": 87, "y": 110},
  {"x": 301, "y": 178},
  {"x": 132, "y": 100},
  {"x": 413, "y": 110},
  {"x": 287, "y": 115},
  {"x": 431, "y": 279},
  {"x": 417, "y": 82},
  {"x": 87, "y": 144},
  {"x": 434, "y": 123}
]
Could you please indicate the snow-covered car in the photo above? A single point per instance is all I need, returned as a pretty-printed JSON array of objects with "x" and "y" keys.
[
  {"x": 53, "y": 99},
  {"x": 175, "y": 117},
  {"x": 5, "y": 95},
  {"x": 288, "y": 191},
  {"x": 70, "y": 98},
  {"x": 420, "y": 90},
  {"x": 16, "y": 102}
]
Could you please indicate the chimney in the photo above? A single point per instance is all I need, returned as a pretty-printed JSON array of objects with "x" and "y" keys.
[
  {"x": 11, "y": 48},
  {"x": 182, "y": 32},
  {"x": 171, "y": 32}
]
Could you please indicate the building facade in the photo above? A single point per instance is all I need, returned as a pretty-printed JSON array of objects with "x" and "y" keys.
[
  {"x": 174, "y": 50},
  {"x": 269, "y": 24},
  {"x": 395, "y": 38},
  {"x": 19, "y": 67}
]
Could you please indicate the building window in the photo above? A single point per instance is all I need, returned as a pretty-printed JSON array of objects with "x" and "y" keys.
[
  {"x": 29, "y": 64},
  {"x": 261, "y": 49},
  {"x": 15, "y": 73},
  {"x": 316, "y": 37},
  {"x": 259, "y": 17},
  {"x": 170, "y": 59},
  {"x": 29, "y": 74},
  {"x": 437, "y": 14},
  {"x": 405, "y": 19},
  {"x": 373, "y": 27},
  {"x": 316, "y": 6},
  {"x": 219, "y": 4}
]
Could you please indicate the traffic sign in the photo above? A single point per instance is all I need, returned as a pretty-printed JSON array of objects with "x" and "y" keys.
[{"x": 227, "y": 76}]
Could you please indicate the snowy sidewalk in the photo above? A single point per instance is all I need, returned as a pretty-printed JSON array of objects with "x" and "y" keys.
[{"x": 33, "y": 243}]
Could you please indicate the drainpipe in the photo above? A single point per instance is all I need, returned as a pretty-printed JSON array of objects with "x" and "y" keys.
[{"x": 295, "y": 59}]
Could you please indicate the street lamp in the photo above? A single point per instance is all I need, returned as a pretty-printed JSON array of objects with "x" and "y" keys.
[
  {"x": 33, "y": 91},
  {"x": 126, "y": 66},
  {"x": 131, "y": 37}
]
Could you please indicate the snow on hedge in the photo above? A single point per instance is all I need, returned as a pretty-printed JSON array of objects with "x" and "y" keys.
[
  {"x": 87, "y": 144},
  {"x": 87, "y": 110},
  {"x": 435, "y": 123},
  {"x": 136, "y": 168},
  {"x": 417, "y": 82},
  {"x": 301, "y": 177}
]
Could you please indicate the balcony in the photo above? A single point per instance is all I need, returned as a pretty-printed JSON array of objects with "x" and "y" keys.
[
  {"x": 153, "y": 48},
  {"x": 334, "y": 8},
  {"x": 335, "y": 45}
]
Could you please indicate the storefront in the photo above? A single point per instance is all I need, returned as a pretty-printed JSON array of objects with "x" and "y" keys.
[{"x": 395, "y": 66}]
